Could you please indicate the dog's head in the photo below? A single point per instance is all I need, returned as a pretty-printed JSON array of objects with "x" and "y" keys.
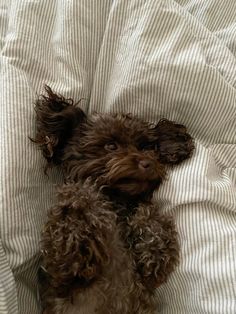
[{"x": 119, "y": 152}]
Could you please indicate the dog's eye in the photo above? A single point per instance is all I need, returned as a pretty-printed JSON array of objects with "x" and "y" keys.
[{"x": 111, "y": 146}]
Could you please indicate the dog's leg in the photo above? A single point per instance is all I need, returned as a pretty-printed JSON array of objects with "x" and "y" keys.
[
  {"x": 76, "y": 240},
  {"x": 152, "y": 240}
]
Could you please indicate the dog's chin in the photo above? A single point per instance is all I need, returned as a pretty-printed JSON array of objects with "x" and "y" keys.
[{"x": 135, "y": 187}]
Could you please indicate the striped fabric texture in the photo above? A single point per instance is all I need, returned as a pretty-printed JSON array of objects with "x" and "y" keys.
[{"x": 153, "y": 58}]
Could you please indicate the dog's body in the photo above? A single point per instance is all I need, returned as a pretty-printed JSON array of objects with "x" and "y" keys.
[{"x": 106, "y": 247}]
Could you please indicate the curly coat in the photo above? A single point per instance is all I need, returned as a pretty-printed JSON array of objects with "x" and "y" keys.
[{"x": 106, "y": 247}]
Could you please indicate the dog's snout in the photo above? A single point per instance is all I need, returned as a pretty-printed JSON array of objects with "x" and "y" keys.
[{"x": 145, "y": 164}]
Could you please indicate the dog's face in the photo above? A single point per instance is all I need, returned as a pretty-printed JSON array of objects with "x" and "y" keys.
[{"x": 119, "y": 152}]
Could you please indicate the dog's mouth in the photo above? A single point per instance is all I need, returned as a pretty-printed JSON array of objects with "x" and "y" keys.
[
  {"x": 126, "y": 175},
  {"x": 130, "y": 174},
  {"x": 134, "y": 186},
  {"x": 131, "y": 182}
]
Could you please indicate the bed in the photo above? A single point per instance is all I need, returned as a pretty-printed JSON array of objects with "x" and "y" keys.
[{"x": 155, "y": 59}]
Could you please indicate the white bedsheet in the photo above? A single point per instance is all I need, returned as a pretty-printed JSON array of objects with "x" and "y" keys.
[{"x": 154, "y": 58}]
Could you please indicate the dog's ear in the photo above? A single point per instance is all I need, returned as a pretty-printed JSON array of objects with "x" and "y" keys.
[
  {"x": 174, "y": 144},
  {"x": 56, "y": 120}
]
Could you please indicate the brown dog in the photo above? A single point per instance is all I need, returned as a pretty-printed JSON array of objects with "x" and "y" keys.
[{"x": 106, "y": 247}]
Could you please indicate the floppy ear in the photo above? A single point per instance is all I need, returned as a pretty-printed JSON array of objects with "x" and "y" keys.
[
  {"x": 56, "y": 120},
  {"x": 174, "y": 144}
]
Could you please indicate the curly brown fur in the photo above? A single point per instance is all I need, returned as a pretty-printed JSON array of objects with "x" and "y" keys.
[{"x": 106, "y": 246}]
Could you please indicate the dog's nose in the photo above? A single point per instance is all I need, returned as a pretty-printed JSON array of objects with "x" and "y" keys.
[{"x": 145, "y": 164}]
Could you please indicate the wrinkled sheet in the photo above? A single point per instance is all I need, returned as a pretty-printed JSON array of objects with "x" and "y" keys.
[{"x": 154, "y": 58}]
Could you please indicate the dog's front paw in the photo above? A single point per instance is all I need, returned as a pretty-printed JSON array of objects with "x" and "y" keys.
[
  {"x": 154, "y": 246},
  {"x": 76, "y": 237}
]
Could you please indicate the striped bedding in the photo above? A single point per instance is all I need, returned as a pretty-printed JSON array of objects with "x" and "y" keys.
[{"x": 154, "y": 58}]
